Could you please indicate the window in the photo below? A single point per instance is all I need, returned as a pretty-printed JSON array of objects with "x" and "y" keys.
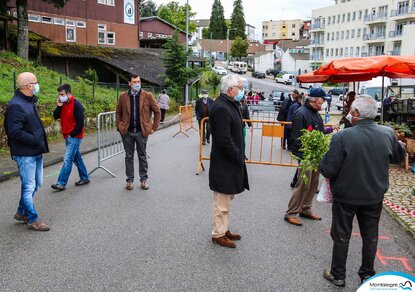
[
  {"x": 293, "y": 34},
  {"x": 346, "y": 52},
  {"x": 59, "y": 21},
  {"x": 331, "y": 52},
  {"x": 34, "y": 18},
  {"x": 102, "y": 35},
  {"x": 343, "y": 17},
  {"x": 337, "y": 52},
  {"x": 283, "y": 26},
  {"x": 338, "y": 18},
  {"x": 341, "y": 52},
  {"x": 70, "y": 34},
  {"x": 354, "y": 16},
  {"x": 329, "y": 20},
  {"x": 327, "y": 52},
  {"x": 337, "y": 35},
  {"x": 360, "y": 15},
  {"x": 70, "y": 23},
  {"x": 351, "y": 52},
  {"x": 110, "y": 38},
  {"x": 48, "y": 20},
  {"x": 332, "y": 36},
  {"x": 141, "y": 35},
  {"x": 357, "y": 51},
  {"x": 352, "y": 34},
  {"x": 274, "y": 34},
  {"x": 359, "y": 30},
  {"x": 347, "y": 34},
  {"x": 107, "y": 2},
  {"x": 328, "y": 36},
  {"x": 348, "y": 17},
  {"x": 342, "y": 35},
  {"x": 293, "y": 26},
  {"x": 81, "y": 24}
]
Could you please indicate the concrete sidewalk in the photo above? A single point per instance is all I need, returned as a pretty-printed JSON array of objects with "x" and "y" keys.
[{"x": 8, "y": 167}]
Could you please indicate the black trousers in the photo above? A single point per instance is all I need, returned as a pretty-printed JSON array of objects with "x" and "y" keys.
[
  {"x": 163, "y": 114},
  {"x": 341, "y": 229}
]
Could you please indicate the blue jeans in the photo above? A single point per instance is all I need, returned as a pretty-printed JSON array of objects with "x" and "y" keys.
[
  {"x": 31, "y": 175},
  {"x": 72, "y": 155}
]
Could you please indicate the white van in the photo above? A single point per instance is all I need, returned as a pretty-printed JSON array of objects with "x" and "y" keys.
[
  {"x": 238, "y": 67},
  {"x": 286, "y": 79}
]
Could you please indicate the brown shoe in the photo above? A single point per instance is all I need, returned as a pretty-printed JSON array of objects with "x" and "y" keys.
[
  {"x": 38, "y": 226},
  {"x": 293, "y": 221},
  {"x": 144, "y": 185},
  {"x": 224, "y": 241},
  {"x": 20, "y": 217},
  {"x": 129, "y": 186},
  {"x": 232, "y": 236},
  {"x": 57, "y": 187},
  {"x": 311, "y": 216}
]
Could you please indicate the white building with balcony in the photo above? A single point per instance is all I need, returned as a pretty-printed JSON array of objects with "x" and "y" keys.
[{"x": 353, "y": 28}]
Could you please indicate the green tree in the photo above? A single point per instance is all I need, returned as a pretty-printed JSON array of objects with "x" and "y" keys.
[
  {"x": 175, "y": 14},
  {"x": 175, "y": 58},
  {"x": 205, "y": 33},
  {"x": 238, "y": 23},
  {"x": 148, "y": 8},
  {"x": 217, "y": 23},
  {"x": 213, "y": 80},
  {"x": 239, "y": 48}
]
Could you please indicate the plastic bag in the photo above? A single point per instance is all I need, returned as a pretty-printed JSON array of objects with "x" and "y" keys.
[{"x": 325, "y": 195}]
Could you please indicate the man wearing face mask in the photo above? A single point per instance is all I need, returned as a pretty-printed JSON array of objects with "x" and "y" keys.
[
  {"x": 133, "y": 117},
  {"x": 71, "y": 114},
  {"x": 357, "y": 165},
  {"x": 306, "y": 117},
  {"x": 202, "y": 109},
  {"x": 227, "y": 174},
  {"x": 27, "y": 141}
]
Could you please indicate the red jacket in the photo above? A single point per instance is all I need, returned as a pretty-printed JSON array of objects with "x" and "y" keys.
[{"x": 71, "y": 115}]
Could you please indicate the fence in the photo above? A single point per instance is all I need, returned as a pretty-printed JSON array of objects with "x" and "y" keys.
[
  {"x": 186, "y": 120},
  {"x": 109, "y": 140},
  {"x": 261, "y": 144}
]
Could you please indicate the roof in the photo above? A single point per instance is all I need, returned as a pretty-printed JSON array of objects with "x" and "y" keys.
[
  {"x": 221, "y": 46},
  {"x": 291, "y": 44},
  {"x": 147, "y": 63},
  {"x": 32, "y": 35},
  {"x": 152, "y": 18},
  {"x": 300, "y": 56}
]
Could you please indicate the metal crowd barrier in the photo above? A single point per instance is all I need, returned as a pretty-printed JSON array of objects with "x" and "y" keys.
[
  {"x": 260, "y": 142},
  {"x": 109, "y": 140}
]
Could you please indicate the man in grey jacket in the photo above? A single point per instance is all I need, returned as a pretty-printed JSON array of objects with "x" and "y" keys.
[{"x": 357, "y": 165}]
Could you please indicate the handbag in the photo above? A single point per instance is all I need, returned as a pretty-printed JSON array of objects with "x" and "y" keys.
[{"x": 325, "y": 195}]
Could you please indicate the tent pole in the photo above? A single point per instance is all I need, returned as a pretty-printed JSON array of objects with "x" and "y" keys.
[{"x": 383, "y": 93}]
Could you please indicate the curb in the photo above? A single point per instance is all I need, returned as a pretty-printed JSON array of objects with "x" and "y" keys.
[{"x": 4, "y": 177}]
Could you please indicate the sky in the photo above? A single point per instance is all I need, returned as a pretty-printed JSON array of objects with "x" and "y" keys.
[{"x": 257, "y": 11}]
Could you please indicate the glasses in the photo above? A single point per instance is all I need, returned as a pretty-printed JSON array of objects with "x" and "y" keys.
[
  {"x": 33, "y": 83},
  {"x": 240, "y": 87}
]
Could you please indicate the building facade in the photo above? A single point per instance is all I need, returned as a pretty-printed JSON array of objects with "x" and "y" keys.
[
  {"x": 154, "y": 32},
  {"x": 204, "y": 23},
  {"x": 94, "y": 22},
  {"x": 353, "y": 28},
  {"x": 282, "y": 30}
]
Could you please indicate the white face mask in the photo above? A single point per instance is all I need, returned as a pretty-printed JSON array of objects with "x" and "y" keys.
[
  {"x": 205, "y": 96},
  {"x": 63, "y": 98},
  {"x": 349, "y": 117}
]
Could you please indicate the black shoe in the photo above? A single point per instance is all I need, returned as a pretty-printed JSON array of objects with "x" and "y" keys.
[
  {"x": 328, "y": 276},
  {"x": 208, "y": 141},
  {"x": 57, "y": 187},
  {"x": 292, "y": 184},
  {"x": 246, "y": 158},
  {"x": 82, "y": 182},
  {"x": 365, "y": 278},
  {"x": 203, "y": 143}
]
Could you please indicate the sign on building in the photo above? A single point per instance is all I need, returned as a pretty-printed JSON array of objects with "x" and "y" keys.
[{"x": 129, "y": 12}]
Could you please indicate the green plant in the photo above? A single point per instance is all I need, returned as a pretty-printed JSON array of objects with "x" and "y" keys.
[{"x": 314, "y": 144}]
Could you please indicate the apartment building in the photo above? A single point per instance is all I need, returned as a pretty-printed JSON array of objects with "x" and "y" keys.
[
  {"x": 111, "y": 23},
  {"x": 282, "y": 30},
  {"x": 204, "y": 23},
  {"x": 353, "y": 28}
]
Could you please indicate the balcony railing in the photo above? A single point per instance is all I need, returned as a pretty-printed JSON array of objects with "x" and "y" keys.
[
  {"x": 374, "y": 36},
  {"x": 315, "y": 26},
  {"x": 378, "y": 16},
  {"x": 402, "y": 11},
  {"x": 395, "y": 53},
  {"x": 364, "y": 54},
  {"x": 317, "y": 42},
  {"x": 395, "y": 34}
]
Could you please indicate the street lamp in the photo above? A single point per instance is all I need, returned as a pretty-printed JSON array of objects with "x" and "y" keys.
[{"x": 186, "y": 94}]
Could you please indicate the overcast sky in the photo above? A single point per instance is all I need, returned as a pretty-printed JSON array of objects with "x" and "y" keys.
[{"x": 257, "y": 11}]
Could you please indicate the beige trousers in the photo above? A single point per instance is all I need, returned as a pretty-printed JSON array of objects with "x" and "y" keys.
[
  {"x": 221, "y": 206},
  {"x": 303, "y": 194}
]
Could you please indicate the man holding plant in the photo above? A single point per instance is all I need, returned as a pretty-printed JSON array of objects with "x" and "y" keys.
[{"x": 306, "y": 118}]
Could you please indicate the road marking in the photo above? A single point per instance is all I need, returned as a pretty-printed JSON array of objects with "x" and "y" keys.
[{"x": 384, "y": 259}]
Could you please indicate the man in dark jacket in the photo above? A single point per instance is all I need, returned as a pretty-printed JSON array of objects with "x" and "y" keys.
[
  {"x": 202, "y": 108},
  {"x": 71, "y": 114},
  {"x": 306, "y": 117},
  {"x": 358, "y": 171},
  {"x": 27, "y": 141},
  {"x": 227, "y": 174}
]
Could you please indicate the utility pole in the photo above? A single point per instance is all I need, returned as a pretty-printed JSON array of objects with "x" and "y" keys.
[
  {"x": 186, "y": 96},
  {"x": 211, "y": 57}
]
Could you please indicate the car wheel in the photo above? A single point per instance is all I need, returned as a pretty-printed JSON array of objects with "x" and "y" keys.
[{"x": 311, "y": 87}]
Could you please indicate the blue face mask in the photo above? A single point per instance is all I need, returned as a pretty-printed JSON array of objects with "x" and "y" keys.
[
  {"x": 240, "y": 95},
  {"x": 136, "y": 87},
  {"x": 36, "y": 89}
]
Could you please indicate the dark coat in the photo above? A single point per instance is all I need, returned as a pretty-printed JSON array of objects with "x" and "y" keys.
[
  {"x": 306, "y": 117},
  {"x": 293, "y": 109},
  {"x": 357, "y": 163},
  {"x": 199, "y": 109},
  {"x": 283, "y": 113},
  {"x": 24, "y": 129},
  {"x": 227, "y": 173}
]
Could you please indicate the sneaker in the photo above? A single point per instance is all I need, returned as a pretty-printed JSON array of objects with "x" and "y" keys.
[
  {"x": 329, "y": 276},
  {"x": 20, "y": 217},
  {"x": 82, "y": 182},
  {"x": 38, "y": 226},
  {"x": 144, "y": 185},
  {"x": 129, "y": 186},
  {"x": 57, "y": 187}
]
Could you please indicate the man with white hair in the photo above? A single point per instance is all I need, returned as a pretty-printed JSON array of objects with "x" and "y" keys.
[
  {"x": 27, "y": 141},
  {"x": 357, "y": 165},
  {"x": 227, "y": 174}
]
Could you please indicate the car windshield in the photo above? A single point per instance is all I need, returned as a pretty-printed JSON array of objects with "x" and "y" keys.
[{"x": 276, "y": 93}]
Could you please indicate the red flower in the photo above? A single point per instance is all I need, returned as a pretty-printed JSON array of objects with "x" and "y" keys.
[{"x": 310, "y": 128}]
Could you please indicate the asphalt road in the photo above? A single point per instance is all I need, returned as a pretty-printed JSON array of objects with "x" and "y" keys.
[{"x": 105, "y": 238}]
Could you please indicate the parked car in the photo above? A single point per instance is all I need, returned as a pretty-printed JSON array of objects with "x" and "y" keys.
[
  {"x": 273, "y": 72},
  {"x": 310, "y": 85},
  {"x": 258, "y": 74},
  {"x": 337, "y": 91},
  {"x": 286, "y": 79},
  {"x": 275, "y": 97},
  {"x": 219, "y": 70}
]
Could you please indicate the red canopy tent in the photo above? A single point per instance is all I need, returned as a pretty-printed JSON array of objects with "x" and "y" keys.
[{"x": 362, "y": 69}]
